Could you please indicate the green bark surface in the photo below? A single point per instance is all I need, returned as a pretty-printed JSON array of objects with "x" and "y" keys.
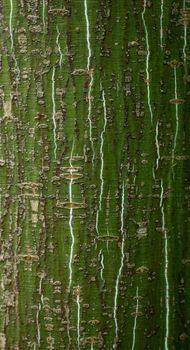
[{"x": 94, "y": 175}]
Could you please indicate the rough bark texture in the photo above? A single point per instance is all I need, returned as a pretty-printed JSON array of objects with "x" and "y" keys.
[{"x": 94, "y": 174}]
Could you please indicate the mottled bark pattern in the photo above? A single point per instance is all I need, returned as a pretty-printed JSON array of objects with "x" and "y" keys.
[{"x": 94, "y": 174}]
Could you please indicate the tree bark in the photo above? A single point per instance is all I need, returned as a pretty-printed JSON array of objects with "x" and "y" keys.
[{"x": 94, "y": 170}]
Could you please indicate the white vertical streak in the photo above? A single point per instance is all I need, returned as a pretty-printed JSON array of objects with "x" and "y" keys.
[
  {"x": 166, "y": 267},
  {"x": 53, "y": 111},
  {"x": 43, "y": 14},
  {"x": 162, "y": 194},
  {"x": 121, "y": 264},
  {"x": 78, "y": 322},
  {"x": 39, "y": 309},
  {"x": 38, "y": 325},
  {"x": 176, "y": 110},
  {"x": 101, "y": 258},
  {"x": 97, "y": 220},
  {"x": 102, "y": 160},
  {"x": 102, "y": 151},
  {"x": 87, "y": 35},
  {"x": 90, "y": 111},
  {"x": 10, "y": 24},
  {"x": 71, "y": 221},
  {"x": 59, "y": 47},
  {"x": 40, "y": 290},
  {"x": 157, "y": 146},
  {"x": 12, "y": 39},
  {"x": 72, "y": 246},
  {"x": 91, "y": 76},
  {"x": 161, "y": 23},
  {"x": 135, "y": 321},
  {"x": 147, "y": 61},
  {"x": 102, "y": 266}
]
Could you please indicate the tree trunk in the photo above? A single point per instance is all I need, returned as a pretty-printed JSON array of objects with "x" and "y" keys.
[{"x": 94, "y": 169}]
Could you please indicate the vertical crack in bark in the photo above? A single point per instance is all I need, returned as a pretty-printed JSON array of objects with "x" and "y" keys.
[
  {"x": 161, "y": 22},
  {"x": 121, "y": 265},
  {"x": 147, "y": 60},
  {"x": 135, "y": 319},
  {"x": 167, "y": 288}
]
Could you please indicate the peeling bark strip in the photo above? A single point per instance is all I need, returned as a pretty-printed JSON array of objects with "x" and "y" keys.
[{"x": 94, "y": 175}]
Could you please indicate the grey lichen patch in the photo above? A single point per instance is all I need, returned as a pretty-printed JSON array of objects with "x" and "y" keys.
[
  {"x": 72, "y": 169},
  {"x": 108, "y": 238},
  {"x": 34, "y": 204},
  {"x": 22, "y": 40},
  {"x": 2, "y": 341},
  {"x": 61, "y": 11},
  {"x": 142, "y": 269},
  {"x": 177, "y": 101},
  {"x": 74, "y": 176},
  {"x": 7, "y": 108},
  {"x": 34, "y": 218},
  {"x": 80, "y": 72},
  {"x": 71, "y": 205}
]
